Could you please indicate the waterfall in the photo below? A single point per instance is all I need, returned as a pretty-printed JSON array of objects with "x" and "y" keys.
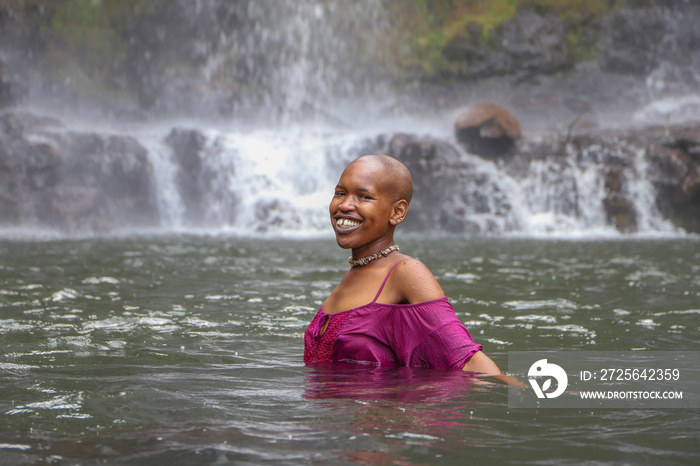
[
  {"x": 251, "y": 182},
  {"x": 281, "y": 182},
  {"x": 246, "y": 112}
]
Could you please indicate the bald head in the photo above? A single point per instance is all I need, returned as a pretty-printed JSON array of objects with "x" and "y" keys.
[{"x": 393, "y": 175}]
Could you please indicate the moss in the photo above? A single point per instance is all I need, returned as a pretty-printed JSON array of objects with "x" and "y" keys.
[
  {"x": 580, "y": 50},
  {"x": 427, "y": 26},
  {"x": 87, "y": 43}
]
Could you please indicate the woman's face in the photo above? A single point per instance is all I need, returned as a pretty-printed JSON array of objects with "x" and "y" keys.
[{"x": 361, "y": 208}]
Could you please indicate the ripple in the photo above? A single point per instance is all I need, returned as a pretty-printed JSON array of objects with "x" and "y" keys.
[
  {"x": 559, "y": 304},
  {"x": 197, "y": 322},
  {"x": 462, "y": 277},
  {"x": 498, "y": 342},
  {"x": 14, "y": 446},
  {"x": 154, "y": 321},
  {"x": 74, "y": 401},
  {"x": 98, "y": 280},
  {"x": 537, "y": 318},
  {"x": 571, "y": 328},
  {"x": 678, "y": 312},
  {"x": 10, "y": 325},
  {"x": 114, "y": 324},
  {"x": 11, "y": 366},
  {"x": 648, "y": 323},
  {"x": 65, "y": 293}
]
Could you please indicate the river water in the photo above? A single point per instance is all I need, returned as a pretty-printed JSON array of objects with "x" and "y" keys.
[{"x": 187, "y": 349}]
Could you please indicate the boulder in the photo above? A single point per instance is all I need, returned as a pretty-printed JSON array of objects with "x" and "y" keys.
[
  {"x": 530, "y": 44},
  {"x": 8, "y": 94},
  {"x": 636, "y": 40},
  {"x": 72, "y": 181},
  {"x": 202, "y": 178},
  {"x": 675, "y": 167},
  {"x": 487, "y": 130},
  {"x": 192, "y": 182}
]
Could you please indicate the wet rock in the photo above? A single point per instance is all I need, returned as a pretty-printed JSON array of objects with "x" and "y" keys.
[
  {"x": 8, "y": 93},
  {"x": 534, "y": 44},
  {"x": 439, "y": 175},
  {"x": 529, "y": 44},
  {"x": 70, "y": 181},
  {"x": 675, "y": 168},
  {"x": 187, "y": 146},
  {"x": 620, "y": 210},
  {"x": 201, "y": 180},
  {"x": 638, "y": 40},
  {"x": 487, "y": 130}
]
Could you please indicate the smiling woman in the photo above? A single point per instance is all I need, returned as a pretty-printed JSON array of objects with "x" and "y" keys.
[{"x": 409, "y": 321}]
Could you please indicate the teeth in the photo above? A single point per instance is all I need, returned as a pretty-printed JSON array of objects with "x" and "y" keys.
[{"x": 346, "y": 223}]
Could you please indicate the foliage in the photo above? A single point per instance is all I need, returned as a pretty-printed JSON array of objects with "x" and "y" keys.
[
  {"x": 86, "y": 42},
  {"x": 427, "y": 25}
]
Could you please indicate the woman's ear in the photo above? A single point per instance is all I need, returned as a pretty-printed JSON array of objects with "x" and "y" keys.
[{"x": 399, "y": 213}]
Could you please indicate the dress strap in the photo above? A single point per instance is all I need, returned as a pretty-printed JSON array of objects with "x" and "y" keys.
[{"x": 385, "y": 279}]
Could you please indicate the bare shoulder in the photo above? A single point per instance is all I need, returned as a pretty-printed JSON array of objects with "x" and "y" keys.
[{"x": 414, "y": 281}]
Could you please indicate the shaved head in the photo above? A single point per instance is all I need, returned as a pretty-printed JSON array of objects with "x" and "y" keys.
[{"x": 394, "y": 176}]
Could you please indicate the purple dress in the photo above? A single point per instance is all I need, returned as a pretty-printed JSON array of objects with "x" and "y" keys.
[{"x": 414, "y": 335}]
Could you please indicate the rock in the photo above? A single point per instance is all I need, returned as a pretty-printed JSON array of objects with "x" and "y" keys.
[
  {"x": 424, "y": 157},
  {"x": 202, "y": 180},
  {"x": 675, "y": 168},
  {"x": 638, "y": 40},
  {"x": 487, "y": 130},
  {"x": 529, "y": 44},
  {"x": 630, "y": 41},
  {"x": 187, "y": 146},
  {"x": 534, "y": 44},
  {"x": 70, "y": 181},
  {"x": 620, "y": 212},
  {"x": 8, "y": 94}
]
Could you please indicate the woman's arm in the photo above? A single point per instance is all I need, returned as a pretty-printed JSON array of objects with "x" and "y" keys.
[{"x": 482, "y": 364}]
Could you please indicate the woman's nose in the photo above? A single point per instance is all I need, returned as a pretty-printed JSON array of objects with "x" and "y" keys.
[{"x": 348, "y": 203}]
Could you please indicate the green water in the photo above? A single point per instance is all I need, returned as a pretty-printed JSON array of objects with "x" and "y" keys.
[{"x": 188, "y": 350}]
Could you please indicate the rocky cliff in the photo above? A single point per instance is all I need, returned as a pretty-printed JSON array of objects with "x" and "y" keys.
[{"x": 76, "y": 182}]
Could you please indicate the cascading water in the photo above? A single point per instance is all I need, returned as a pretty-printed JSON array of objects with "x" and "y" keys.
[
  {"x": 278, "y": 63},
  {"x": 305, "y": 88},
  {"x": 281, "y": 183},
  {"x": 256, "y": 182}
]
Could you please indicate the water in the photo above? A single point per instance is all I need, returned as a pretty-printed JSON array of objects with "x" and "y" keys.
[
  {"x": 279, "y": 182},
  {"x": 187, "y": 350}
]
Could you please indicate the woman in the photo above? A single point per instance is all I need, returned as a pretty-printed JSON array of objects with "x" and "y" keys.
[{"x": 388, "y": 309}]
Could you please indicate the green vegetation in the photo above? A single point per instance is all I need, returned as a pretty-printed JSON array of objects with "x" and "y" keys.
[
  {"x": 85, "y": 42},
  {"x": 88, "y": 42},
  {"x": 427, "y": 26}
]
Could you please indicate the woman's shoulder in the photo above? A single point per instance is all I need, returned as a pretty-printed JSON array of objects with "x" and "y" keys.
[
  {"x": 408, "y": 265},
  {"x": 414, "y": 281}
]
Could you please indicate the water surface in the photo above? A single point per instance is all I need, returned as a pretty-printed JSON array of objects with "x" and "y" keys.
[{"x": 188, "y": 349}]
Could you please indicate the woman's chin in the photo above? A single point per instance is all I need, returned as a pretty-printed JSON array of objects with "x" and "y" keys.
[{"x": 343, "y": 242}]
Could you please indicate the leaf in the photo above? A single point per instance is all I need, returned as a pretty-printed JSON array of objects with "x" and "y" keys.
[{"x": 546, "y": 385}]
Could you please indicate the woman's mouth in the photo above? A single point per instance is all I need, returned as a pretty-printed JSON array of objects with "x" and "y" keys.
[{"x": 346, "y": 223}]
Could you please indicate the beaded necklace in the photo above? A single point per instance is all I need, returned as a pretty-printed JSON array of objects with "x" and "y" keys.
[{"x": 366, "y": 260}]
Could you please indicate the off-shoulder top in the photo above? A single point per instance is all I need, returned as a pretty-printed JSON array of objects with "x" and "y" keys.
[{"x": 425, "y": 334}]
